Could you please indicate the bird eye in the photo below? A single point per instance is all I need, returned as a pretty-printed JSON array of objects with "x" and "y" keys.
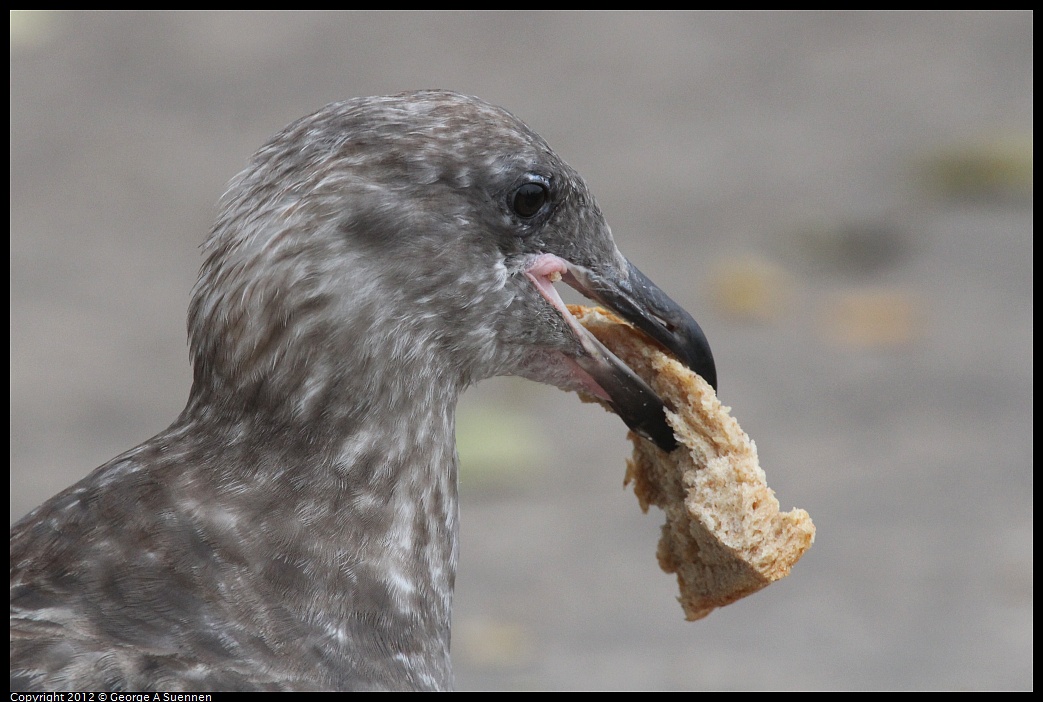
[{"x": 529, "y": 199}]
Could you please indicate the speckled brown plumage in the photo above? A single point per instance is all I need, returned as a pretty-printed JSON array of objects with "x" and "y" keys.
[{"x": 296, "y": 526}]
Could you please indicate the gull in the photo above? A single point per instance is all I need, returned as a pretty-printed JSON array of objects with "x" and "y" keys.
[{"x": 295, "y": 528}]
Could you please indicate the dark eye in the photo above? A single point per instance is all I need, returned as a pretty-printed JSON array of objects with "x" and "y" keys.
[{"x": 530, "y": 199}]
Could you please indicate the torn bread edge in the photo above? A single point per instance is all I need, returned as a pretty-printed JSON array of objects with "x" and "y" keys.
[{"x": 724, "y": 535}]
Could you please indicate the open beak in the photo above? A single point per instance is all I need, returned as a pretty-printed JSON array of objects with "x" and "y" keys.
[{"x": 642, "y": 303}]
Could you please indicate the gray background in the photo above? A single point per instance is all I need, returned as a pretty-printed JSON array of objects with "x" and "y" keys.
[{"x": 844, "y": 201}]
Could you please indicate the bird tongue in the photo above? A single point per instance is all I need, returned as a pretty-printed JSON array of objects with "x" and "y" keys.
[{"x": 546, "y": 270}]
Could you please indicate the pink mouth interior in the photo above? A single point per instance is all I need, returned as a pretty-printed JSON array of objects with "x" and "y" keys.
[{"x": 544, "y": 271}]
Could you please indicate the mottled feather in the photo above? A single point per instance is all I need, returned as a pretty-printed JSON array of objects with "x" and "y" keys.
[{"x": 296, "y": 526}]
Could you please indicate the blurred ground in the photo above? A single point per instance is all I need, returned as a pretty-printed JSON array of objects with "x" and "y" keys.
[{"x": 844, "y": 201}]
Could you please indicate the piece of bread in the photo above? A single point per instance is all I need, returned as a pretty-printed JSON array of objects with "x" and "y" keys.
[{"x": 724, "y": 535}]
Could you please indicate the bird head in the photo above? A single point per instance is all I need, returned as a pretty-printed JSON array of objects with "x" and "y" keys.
[{"x": 422, "y": 234}]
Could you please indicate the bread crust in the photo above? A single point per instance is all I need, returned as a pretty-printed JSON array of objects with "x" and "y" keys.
[{"x": 724, "y": 535}]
